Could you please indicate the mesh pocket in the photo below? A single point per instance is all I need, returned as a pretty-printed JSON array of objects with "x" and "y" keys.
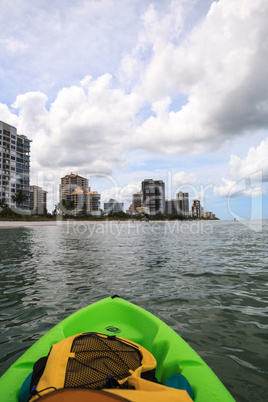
[{"x": 97, "y": 357}]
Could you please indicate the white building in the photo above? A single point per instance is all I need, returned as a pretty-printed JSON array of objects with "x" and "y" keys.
[
  {"x": 95, "y": 203},
  {"x": 38, "y": 200},
  {"x": 14, "y": 165}
]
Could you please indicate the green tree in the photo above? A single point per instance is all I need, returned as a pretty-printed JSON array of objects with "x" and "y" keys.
[
  {"x": 19, "y": 198},
  {"x": 69, "y": 205},
  {"x": 56, "y": 210},
  {"x": 84, "y": 209},
  {"x": 3, "y": 205}
]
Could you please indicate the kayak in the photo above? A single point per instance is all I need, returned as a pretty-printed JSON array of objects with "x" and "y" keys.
[{"x": 115, "y": 316}]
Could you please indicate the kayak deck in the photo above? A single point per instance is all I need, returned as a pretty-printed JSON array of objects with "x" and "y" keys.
[{"x": 115, "y": 316}]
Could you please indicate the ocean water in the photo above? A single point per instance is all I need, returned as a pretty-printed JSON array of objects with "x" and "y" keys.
[{"x": 207, "y": 280}]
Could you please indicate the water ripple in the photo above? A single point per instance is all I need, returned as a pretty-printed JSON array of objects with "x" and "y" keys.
[{"x": 209, "y": 283}]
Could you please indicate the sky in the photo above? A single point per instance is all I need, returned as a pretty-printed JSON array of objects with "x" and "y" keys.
[{"x": 119, "y": 91}]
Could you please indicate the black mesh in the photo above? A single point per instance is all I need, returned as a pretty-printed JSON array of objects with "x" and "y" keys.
[{"x": 96, "y": 358}]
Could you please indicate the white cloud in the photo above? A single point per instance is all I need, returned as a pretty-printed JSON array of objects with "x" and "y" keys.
[
  {"x": 86, "y": 127},
  {"x": 46, "y": 45},
  {"x": 32, "y": 112},
  {"x": 248, "y": 175},
  {"x": 121, "y": 194},
  {"x": 225, "y": 189},
  {"x": 7, "y": 116},
  {"x": 222, "y": 67},
  {"x": 242, "y": 188},
  {"x": 182, "y": 178},
  {"x": 255, "y": 161},
  {"x": 14, "y": 46}
]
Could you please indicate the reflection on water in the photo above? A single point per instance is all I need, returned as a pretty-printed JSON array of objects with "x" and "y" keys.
[{"x": 207, "y": 281}]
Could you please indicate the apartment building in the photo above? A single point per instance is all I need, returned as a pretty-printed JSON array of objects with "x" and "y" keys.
[
  {"x": 171, "y": 207},
  {"x": 196, "y": 211},
  {"x": 94, "y": 206},
  {"x": 183, "y": 203},
  {"x": 113, "y": 206},
  {"x": 209, "y": 215},
  {"x": 77, "y": 202},
  {"x": 14, "y": 166},
  {"x": 38, "y": 200},
  {"x": 71, "y": 182},
  {"x": 131, "y": 210},
  {"x": 136, "y": 200},
  {"x": 153, "y": 196},
  {"x": 76, "y": 197}
]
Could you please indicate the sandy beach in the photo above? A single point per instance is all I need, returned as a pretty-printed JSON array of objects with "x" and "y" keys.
[
  {"x": 18, "y": 224},
  {"x": 68, "y": 223}
]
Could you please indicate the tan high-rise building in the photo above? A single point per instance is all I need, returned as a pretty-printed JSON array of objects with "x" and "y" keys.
[
  {"x": 74, "y": 194},
  {"x": 76, "y": 197},
  {"x": 71, "y": 182}
]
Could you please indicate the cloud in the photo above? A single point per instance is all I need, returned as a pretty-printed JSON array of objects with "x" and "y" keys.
[
  {"x": 86, "y": 127},
  {"x": 7, "y": 116},
  {"x": 248, "y": 176},
  {"x": 218, "y": 67},
  {"x": 46, "y": 45},
  {"x": 14, "y": 46},
  {"x": 182, "y": 178},
  {"x": 121, "y": 194},
  {"x": 255, "y": 161},
  {"x": 242, "y": 188},
  {"x": 32, "y": 111},
  {"x": 221, "y": 66}
]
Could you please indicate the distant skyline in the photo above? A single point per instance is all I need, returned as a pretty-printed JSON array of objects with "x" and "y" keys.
[{"x": 119, "y": 91}]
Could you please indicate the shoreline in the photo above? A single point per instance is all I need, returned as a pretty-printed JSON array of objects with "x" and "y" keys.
[{"x": 68, "y": 223}]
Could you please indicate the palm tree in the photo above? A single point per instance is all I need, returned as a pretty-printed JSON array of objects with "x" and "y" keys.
[
  {"x": 2, "y": 204},
  {"x": 19, "y": 198}
]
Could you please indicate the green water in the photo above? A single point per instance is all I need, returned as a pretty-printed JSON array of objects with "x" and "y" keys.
[{"x": 208, "y": 281}]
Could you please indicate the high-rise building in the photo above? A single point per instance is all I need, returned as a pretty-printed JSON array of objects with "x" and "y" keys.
[
  {"x": 113, "y": 206},
  {"x": 153, "y": 196},
  {"x": 209, "y": 215},
  {"x": 94, "y": 198},
  {"x": 77, "y": 202},
  {"x": 136, "y": 200},
  {"x": 71, "y": 182},
  {"x": 131, "y": 210},
  {"x": 76, "y": 197},
  {"x": 14, "y": 166},
  {"x": 171, "y": 207},
  {"x": 38, "y": 200},
  {"x": 183, "y": 203},
  {"x": 196, "y": 209}
]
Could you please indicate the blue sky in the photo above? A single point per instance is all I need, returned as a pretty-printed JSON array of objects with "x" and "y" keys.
[{"x": 120, "y": 90}]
